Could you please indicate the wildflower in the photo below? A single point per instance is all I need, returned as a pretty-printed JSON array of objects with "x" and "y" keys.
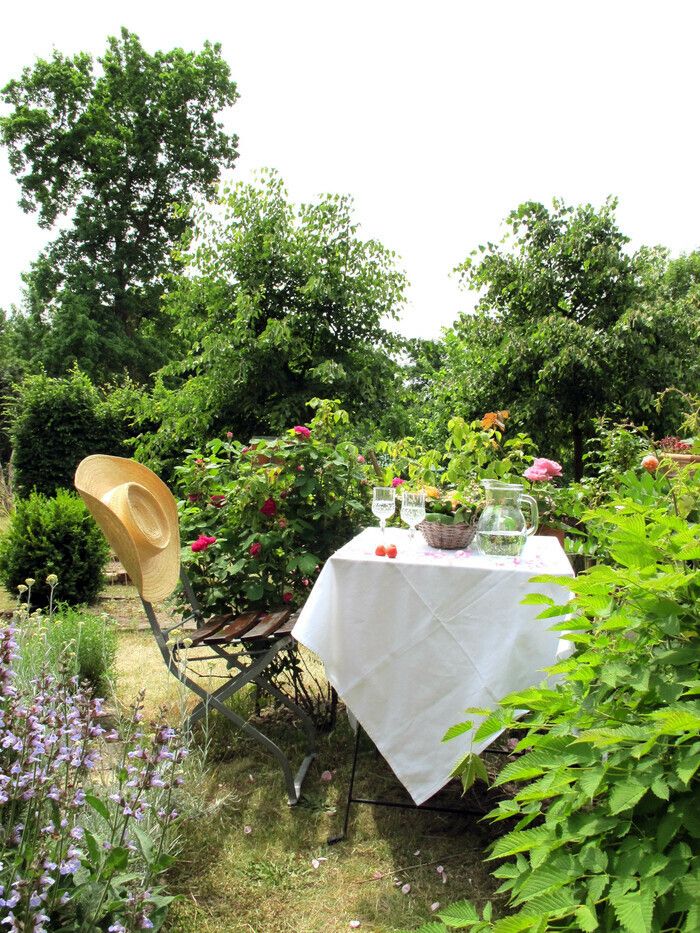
[
  {"x": 21, "y": 588},
  {"x": 269, "y": 507},
  {"x": 650, "y": 463},
  {"x": 302, "y": 431},
  {"x": 30, "y": 581},
  {"x": 255, "y": 549},
  {"x": 52, "y": 579},
  {"x": 397, "y": 481}
]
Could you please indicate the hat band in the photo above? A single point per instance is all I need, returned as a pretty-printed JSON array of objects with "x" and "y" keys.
[{"x": 141, "y": 514}]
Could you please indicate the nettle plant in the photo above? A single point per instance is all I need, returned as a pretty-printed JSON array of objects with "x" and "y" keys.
[
  {"x": 258, "y": 521},
  {"x": 607, "y": 814}
]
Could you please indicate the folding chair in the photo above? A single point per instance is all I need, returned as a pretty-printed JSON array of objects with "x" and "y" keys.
[
  {"x": 248, "y": 643},
  {"x": 138, "y": 515}
]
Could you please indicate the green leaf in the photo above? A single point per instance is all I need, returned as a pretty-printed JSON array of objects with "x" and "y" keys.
[
  {"x": 686, "y": 768},
  {"x": 470, "y": 769},
  {"x": 459, "y": 729},
  {"x": 460, "y": 915},
  {"x": 98, "y": 806},
  {"x": 520, "y": 841},
  {"x": 117, "y": 860},
  {"x": 537, "y": 599},
  {"x": 634, "y": 910},
  {"x": 516, "y": 923},
  {"x": 625, "y": 795},
  {"x": 586, "y": 919}
]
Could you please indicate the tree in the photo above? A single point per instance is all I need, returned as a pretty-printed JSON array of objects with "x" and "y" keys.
[
  {"x": 276, "y": 305},
  {"x": 113, "y": 151},
  {"x": 574, "y": 326}
]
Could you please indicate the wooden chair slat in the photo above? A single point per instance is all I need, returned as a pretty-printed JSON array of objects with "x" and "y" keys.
[
  {"x": 270, "y": 623},
  {"x": 205, "y": 631},
  {"x": 240, "y": 626}
]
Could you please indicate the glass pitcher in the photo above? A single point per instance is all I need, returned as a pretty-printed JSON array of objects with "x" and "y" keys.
[{"x": 502, "y": 529}]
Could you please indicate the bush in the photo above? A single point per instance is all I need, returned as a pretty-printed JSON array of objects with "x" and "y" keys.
[
  {"x": 53, "y": 536},
  {"x": 57, "y": 422},
  {"x": 261, "y": 520},
  {"x": 74, "y": 641}
]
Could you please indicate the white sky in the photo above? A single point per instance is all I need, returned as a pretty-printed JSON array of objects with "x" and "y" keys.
[{"x": 438, "y": 118}]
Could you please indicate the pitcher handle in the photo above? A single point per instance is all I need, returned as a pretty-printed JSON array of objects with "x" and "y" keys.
[{"x": 534, "y": 514}]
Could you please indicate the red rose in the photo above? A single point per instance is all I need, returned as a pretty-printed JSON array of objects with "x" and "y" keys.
[
  {"x": 202, "y": 543},
  {"x": 194, "y": 496},
  {"x": 269, "y": 507},
  {"x": 287, "y": 597},
  {"x": 255, "y": 549},
  {"x": 217, "y": 501}
]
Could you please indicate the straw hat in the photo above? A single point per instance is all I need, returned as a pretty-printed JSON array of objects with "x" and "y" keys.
[{"x": 138, "y": 515}]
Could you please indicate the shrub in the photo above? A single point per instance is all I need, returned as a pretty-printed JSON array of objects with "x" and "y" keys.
[
  {"x": 261, "y": 520},
  {"x": 607, "y": 815},
  {"x": 53, "y": 536},
  {"x": 72, "y": 640},
  {"x": 57, "y": 422}
]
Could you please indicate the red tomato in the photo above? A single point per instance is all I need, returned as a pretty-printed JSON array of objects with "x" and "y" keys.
[
  {"x": 391, "y": 550},
  {"x": 380, "y": 550}
]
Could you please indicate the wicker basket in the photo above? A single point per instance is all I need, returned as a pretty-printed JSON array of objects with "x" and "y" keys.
[{"x": 447, "y": 537}]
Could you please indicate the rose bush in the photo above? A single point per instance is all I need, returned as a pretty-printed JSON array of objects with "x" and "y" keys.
[{"x": 258, "y": 521}]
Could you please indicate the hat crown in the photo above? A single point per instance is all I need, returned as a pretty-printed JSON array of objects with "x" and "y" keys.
[{"x": 141, "y": 513}]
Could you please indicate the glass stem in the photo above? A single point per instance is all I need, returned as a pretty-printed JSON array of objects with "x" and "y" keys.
[{"x": 382, "y": 522}]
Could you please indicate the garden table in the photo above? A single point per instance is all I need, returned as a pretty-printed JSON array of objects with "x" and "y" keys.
[{"x": 409, "y": 643}]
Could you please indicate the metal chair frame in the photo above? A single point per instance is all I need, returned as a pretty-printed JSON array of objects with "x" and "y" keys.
[{"x": 247, "y": 659}]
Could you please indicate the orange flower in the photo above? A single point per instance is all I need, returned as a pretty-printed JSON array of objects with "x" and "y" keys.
[{"x": 495, "y": 419}]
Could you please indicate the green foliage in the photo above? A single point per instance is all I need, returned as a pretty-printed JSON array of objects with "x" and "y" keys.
[
  {"x": 568, "y": 327},
  {"x": 73, "y": 641},
  {"x": 57, "y": 422},
  {"x": 275, "y": 304},
  {"x": 607, "y": 810},
  {"x": 277, "y": 510},
  {"x": 53, "y": 536},
  {"x": 115, "y": 149}
]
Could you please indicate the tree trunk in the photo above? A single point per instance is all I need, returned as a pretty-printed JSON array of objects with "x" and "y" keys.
[{"x": 578, "y": 451}]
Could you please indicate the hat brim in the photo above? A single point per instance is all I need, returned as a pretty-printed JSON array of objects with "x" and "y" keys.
[{"x": 154, "y": 573}]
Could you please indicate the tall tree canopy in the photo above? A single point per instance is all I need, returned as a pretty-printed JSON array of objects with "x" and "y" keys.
[
  {"x": 276, "y": 304},
  {"x": 569, "y": 325},
  {"x": 113, "y": 151}
]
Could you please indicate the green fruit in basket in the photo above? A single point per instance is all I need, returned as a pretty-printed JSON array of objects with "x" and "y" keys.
[{"x": 439, "y": 519}]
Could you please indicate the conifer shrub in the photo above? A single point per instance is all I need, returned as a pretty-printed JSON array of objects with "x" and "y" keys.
[{"x": 58, "y": 536}]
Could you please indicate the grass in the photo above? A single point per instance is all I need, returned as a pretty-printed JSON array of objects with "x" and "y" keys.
[{"x": 263, "y": 880}]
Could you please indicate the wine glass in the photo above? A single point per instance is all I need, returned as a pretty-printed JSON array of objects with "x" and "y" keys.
[
  {"x": 412, "y": 510},
  {"x": 383, "y": 504}
]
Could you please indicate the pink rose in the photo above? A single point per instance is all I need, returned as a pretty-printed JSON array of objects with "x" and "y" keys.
[
  {"x": 199, "y": 462},
  {"x": 302, "y": 431},
  {"x": 269, "y": 507},
  {"x": 245, "y": 450},
  {"x": 305, "y": 581},
  {"x": 282, "y": 522},
  {"x": 255, "y": 549},
  {"x": 300, "y": 467},
  {"x": 287, "y": 597},
  {"x": 361, "y": 459},
  {"x": 397, "y": 481},
  {"x": 229, "y": 434},
  {"x": 650, "y": 463},
  {"x": 551, "y": 467},
  {"x": 535, "y": 475},
  {"x": 202, "y": 543}
]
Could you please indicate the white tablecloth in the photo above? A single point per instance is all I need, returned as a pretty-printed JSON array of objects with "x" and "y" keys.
[{"x": 409, "y": 643}]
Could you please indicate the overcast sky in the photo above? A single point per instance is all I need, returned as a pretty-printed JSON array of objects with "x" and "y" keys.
[{"x": 437, "y": 118}]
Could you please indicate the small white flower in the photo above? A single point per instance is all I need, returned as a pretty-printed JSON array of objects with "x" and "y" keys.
[{"x": 406, "y": 889}]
